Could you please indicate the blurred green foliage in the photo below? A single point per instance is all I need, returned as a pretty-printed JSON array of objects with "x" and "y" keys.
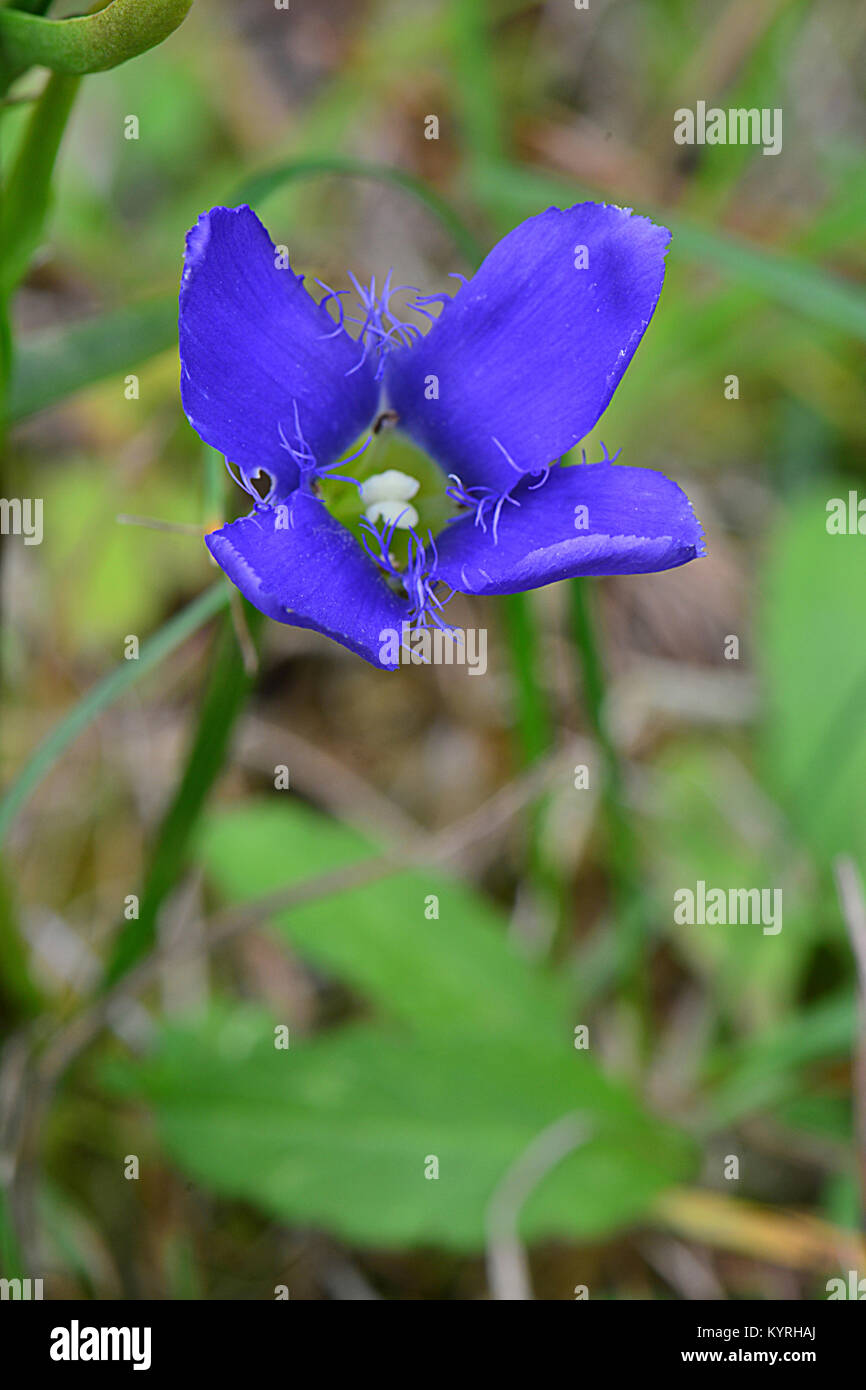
[
  {"x": 481, "y": 1062},
  {"x": 414, "y": 1036}
]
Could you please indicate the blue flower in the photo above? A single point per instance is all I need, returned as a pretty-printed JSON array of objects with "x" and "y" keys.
[{"x": 516, "y": 369}]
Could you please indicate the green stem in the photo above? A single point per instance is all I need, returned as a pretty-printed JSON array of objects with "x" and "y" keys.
[
  {"x": 622, "y": 847},
  {"x": 27, "y": 193},
  {"x": 534, "y": 736},
  {"x": 534, "y": 732}
]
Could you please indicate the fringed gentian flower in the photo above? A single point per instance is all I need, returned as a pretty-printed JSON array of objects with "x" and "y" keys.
[{"x": 514, "y": 371}]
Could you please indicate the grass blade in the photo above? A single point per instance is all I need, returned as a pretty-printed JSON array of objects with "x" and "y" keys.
[
  {"x": 259, "y": 186},
  {"x": 51, "y": 365},
  {"x": 224, "y": 699},
  {"x": 104, "y": 694}
]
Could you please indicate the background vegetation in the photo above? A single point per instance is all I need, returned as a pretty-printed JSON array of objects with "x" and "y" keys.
[{"x": 414, "y": 1036}]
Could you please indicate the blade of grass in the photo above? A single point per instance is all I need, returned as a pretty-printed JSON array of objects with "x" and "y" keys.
[
  {"x": 20, "y": 996},
  {"x": 622, "y": 850},
  {"x": 477, "y": 93},
  {"x": 56, "y": 363},
  {"x": 259, "y": 186},
  {"x": 778, "y": 1235},
  {"x": 755, "y": 1075},
  {"x": 103, "y": 695},
  {"x": 226, "y": 692},
  {"x": 533, "y": 738}
]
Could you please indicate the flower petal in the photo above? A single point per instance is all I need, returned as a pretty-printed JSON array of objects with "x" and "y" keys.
[
  {"x": 531, "y": 349},
  {"x": 299, "y": 565},
  {"x": 633, "y": 521},
  {"x": 253, "y": 342}
]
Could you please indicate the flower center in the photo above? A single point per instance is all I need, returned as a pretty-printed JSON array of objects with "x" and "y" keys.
[{"x": 386, "y": 497}]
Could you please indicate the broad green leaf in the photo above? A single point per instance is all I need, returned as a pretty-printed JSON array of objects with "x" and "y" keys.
[
  {"x": 810, "y": 645},
  {"x": 452, "y": 972},
  {"x": 480, "y": 1061},
  {"x": 337, "y": 1131}
]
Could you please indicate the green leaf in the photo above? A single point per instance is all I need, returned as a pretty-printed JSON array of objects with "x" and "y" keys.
[
  {"x": 87, "y": 43},
  {"x": 337, "y": 1131},
  {"x": 51, "y": 365},
  {"x": 454, "y": 972},
  {"x": 810, "y": 646},
  {"x": 473, "y": 1057}
]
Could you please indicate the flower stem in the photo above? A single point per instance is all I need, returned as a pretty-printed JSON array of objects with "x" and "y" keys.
[
  {"x": 533, "y": 738},
  {"x": 533, "y": 719},
  {"x": 622, "y": 848}
]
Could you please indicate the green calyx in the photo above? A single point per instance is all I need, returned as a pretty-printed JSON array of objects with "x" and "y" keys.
[{"x": 390, "y": 449}]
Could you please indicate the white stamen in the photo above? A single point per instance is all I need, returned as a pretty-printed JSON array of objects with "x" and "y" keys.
[
  {"x": 391, "y": 510},
  {"x": 386, "y": 498},
  {"x": 390, "y": 486}
]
